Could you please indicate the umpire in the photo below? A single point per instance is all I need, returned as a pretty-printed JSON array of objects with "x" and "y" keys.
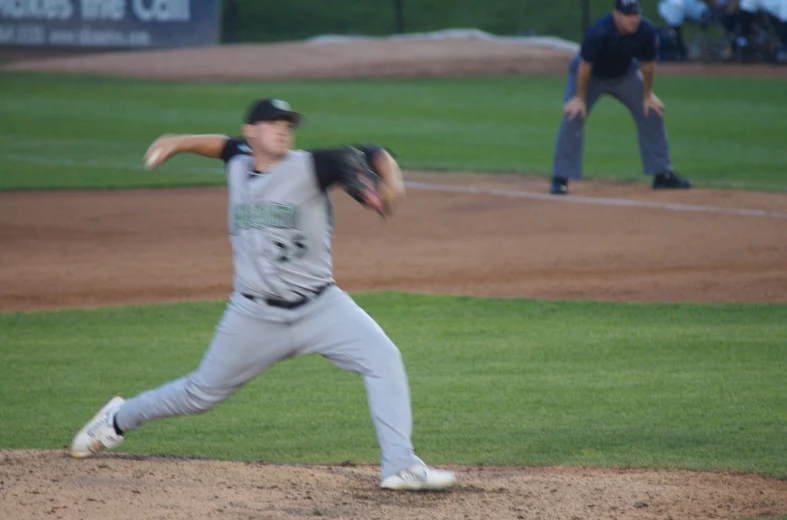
[{"x": 618, "y": 58}]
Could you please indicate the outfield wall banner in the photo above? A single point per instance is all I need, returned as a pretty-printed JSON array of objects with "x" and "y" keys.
[{"x": 119, "y": 24}]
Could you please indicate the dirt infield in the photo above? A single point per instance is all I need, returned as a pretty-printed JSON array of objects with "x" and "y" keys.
[
  {"x": 614, "y": 242},
  {"x": 96, "y": 248},
  {"x": 369, "y": 59}
]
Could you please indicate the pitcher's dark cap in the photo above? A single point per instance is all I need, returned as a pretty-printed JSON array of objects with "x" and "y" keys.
[
  {"x": 628, "y": 6},
  {"x": 272, "y": 109}
]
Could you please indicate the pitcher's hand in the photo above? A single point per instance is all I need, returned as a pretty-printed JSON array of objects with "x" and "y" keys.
[{"x": 160, "y": 150}]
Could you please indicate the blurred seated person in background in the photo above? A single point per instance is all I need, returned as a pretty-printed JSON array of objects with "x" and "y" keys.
[
  {"x": 676, "y": 12},
  {"x": 702, "y": 13},
  {"x": 776, "y": 10}
]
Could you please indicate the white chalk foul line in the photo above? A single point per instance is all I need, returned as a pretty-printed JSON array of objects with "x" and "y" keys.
[
  {"x": 596, "y": 200},
  {"x": 432, "y": 187}
]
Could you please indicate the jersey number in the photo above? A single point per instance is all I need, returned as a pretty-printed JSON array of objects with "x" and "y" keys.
[{"x": 292, "y": 249}]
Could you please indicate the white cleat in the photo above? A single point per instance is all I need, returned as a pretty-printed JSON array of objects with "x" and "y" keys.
[
  {"x": 99, "y": 433},
  {"x": 420, "y": 477}
]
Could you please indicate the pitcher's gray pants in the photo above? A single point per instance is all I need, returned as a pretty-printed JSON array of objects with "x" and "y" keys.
[
  {"x": 653, "y": 146},
  {"x": 253, "y": 336}
]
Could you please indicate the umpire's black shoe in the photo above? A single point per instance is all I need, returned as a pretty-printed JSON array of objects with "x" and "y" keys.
[
  {"x": 668, "y": 180},
  {"x": 559, "y": 186}
]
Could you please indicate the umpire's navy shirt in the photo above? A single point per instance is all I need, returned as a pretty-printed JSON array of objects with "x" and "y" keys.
[{"x": 612, "y": 53}]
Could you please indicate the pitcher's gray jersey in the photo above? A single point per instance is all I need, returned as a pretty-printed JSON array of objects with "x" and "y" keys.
[{"x": 280, "y": 222}]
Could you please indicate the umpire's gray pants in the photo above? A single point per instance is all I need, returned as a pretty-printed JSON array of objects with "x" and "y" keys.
[
  {"x": 653, "y": 146},
  {"x": 253, "y": 336}
]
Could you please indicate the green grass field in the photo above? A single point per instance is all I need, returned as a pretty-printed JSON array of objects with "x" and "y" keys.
[
  {"x": 70, "y": 131},
  {"x": 493, "y": 381},
  {"x": 266, "y": 20}
]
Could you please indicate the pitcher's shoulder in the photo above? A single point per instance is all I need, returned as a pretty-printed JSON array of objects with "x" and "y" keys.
[
  {"x": 234, "y": 147},
  {"x": 301, "y": 168},
  {"x": 300, "y": 154},
  {"x": 302, "y": 159}
]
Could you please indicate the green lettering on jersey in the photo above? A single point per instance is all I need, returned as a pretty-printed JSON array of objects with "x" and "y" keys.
[{"x": 263, "y": 214}]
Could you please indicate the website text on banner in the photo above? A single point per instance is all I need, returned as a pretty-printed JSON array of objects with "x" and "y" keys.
[{"x": 109, "y": 23}]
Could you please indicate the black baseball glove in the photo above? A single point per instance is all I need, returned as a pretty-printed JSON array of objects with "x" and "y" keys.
[{"x": 360, "y": 181}]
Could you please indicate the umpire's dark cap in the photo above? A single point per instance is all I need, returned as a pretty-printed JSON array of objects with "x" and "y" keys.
[
  {"x": 272, "y": 109},
  {"x": 628, "y": 6}
]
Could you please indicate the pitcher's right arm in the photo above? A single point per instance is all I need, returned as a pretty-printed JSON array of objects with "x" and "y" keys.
[{"x": 168, "y": 145}]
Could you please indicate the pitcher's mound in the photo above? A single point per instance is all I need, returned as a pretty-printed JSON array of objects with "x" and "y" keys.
[{"x": 50, "y": 484}]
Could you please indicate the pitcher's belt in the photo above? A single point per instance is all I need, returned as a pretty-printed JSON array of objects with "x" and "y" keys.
[{"x": 286, "y": 304}]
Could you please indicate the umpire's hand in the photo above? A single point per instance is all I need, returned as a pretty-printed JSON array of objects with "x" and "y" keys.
[
  {"x": 653, "y": 103},
  {"x": 575, "y": 106}
]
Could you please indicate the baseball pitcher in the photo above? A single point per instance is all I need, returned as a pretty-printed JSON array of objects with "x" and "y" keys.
[{"x": 285, "y": 302}]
